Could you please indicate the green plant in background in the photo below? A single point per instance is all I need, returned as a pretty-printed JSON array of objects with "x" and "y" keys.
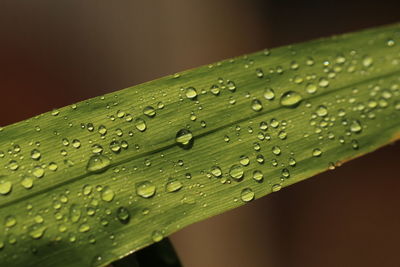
[{"x": 88, "y": 184}]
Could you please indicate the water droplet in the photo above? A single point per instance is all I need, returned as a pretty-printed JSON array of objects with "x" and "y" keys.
[
  {"x": 236, "y": 172},
  {"x": 390, "y": 42},
  {"x": 98, "y": 163},
  {"x": 184, "y": 139},
  {"x": 244, "y": 160},
  {"x": 140, "y": 124},
  {"x": 102, "y": 130},
  {"x": 276, "y": 187},
  {"x": 323, "y": 82},
  {"x": 292, "y": 162},
  {"x": 316, "y": 152},
  {"x": 123, "y": 215},
  {"x": 13, "y": 165},
  {"x": 38, "y": 172},
  {"x": 269, "y": 94},
  {"x": 10, "y": 221},
  {"x": 216, "y": 171},
  {"x": 53, "y": 166},
  {"x": 76, "y": 143},
  {"x": 215, "y": 89},
  {"x": 367, "y": 61},
  {"x": 149, "y": 111},
  {"x": 173, "y": 185},
  {"x": 5, "y": 187},
  {"x": 36, "y": 231},
  {"x": 285, "y": 173},
  {"x": 157, "y": 236},
  {"x": 355, "y": 126},
  {"x": 27, "y": 182},
  {"x": 247, "y": 195},
  {"x": 322, "y": 111},
  {"x": 282, "y": 135},
  {"x": 259, "y": 73},
  {"x": 115, "y": 146},
  {"x": 75, "y": 213},
  {"x": 291, "y": 99},
  {"x": 354, "y": 144},
  {"x": 256, "y": 105},
  {"x": 191, "y": 93},
  {"x": 84, "y": 227},
  {"x": 258, "y": 176},
  {"x": 311, "y": 88},
  {"x": 35, "y": 154},
  {"x": 276, "y": 150},
  {"x": 231, "y": 86},
  {"x": 107, "y": 194},
  {"x": 145, "y": 189}
]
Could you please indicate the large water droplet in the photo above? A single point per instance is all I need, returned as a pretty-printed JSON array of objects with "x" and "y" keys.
[
  {"x": 27, "y": 182},
  {"x": 98, "y": 163},
  {"x": 36, "y": 231},
  {"x": 145, "y": 189},
  {"x": 184, "y": 139},
  {"x": 291, "y": 99}
]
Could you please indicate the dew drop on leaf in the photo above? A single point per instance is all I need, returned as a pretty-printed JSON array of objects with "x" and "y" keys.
[
  {"x": 184, "y": 139},
  {"x": 247, "y": 195},
  {"x": 140, "y": 124},
  {"x": 157, "y": 236},
  {"x": 173, "y": 185},
  {"x": 269, "y": 94},
  {"x": 191, "y": 93},
  {"x": 256, "y": 105},
  {"x": 291, "y": 99},
  {"x": 258, "y": 176},
  {"x": 5, "y": 187},
  {"x": 98, "y": 163},
  {"x": 145, "y": 189},
  {"x": 236, "y": 172},
  {"x": 149, "y": 111},
  {"x": 355, "y": 126},
  {"x": 123, "y": 215},
  {"x": 107, "y": 194}
]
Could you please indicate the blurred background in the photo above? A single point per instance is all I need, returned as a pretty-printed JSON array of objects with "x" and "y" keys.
[{"x": 54, "y": 53}]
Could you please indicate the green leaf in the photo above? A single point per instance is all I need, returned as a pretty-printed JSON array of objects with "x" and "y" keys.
[{"x": 92, "y": 182}]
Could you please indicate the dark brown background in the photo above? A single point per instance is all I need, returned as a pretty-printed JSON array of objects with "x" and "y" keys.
[{"x": 53, "y": 53}]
